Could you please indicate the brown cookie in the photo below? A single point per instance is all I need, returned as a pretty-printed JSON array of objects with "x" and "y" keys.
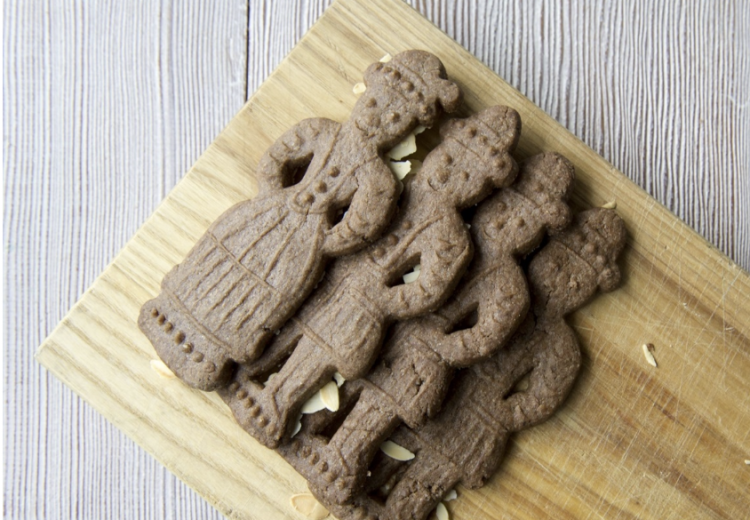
[
  {"x": 465, "y": 442},
  {"x": 410, "y": 379},
  {"x": 256, "y": 264},
  {"x": 340, "y": 327}
]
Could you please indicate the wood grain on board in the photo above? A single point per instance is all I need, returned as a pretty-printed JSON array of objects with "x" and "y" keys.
[{"x": 633, "y": 441}]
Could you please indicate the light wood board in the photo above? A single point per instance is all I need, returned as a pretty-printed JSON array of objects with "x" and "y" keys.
[{"x": 632, "y": 442}]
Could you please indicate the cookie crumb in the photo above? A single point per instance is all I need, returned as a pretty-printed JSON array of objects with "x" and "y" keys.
[
  {"x": 648, "y": 350},
  {"x": 442, "y": 512},
  {"x": 306, "y": 504},
  {"x": 395, "y": 451},
  {"x": 359, "y": 88},
  {"x": 158, "y": 366},
  {"x": 612, "y": 204}
]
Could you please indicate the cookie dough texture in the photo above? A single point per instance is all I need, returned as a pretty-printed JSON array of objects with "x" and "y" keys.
[
  {"x": 518, "y": 387},
  {"x": 424, "y": 344},
  {"x": 340, "y": 328},
  {"x": 258, "y": 262},
  {"x": 411, "y": 378}
]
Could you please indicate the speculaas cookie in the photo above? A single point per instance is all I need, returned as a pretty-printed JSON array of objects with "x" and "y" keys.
[
  {"x": 465, "y": 442},
  {"x": 409, "y": 381},
  {"x": 256, "y": 264},
  {"x": 340, "y": 327}
]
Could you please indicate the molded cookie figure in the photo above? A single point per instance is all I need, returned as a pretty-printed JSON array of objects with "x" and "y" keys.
[
  {"x": 410, "y": 379},
  {"x": 340, "y": 327},
  {"x": 258, "y": 262},
  {"x": 465, "y": 442}
]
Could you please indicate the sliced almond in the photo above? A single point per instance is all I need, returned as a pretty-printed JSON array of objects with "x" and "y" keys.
[
  {"x": 400, "y": 168},
  {"x": 406, "y": 147},
  {"x": 297, "y": 425},
  {"x": 612, "y": 204},
  {"x": 395, "y": 451},
  {"x": 359, "y": 88},
  {"x": 450, "y": 495},
  {"x": 268, "y": 380},
  {"x": 306, "y": 504},
  {"x": 412, "y": 275},
  {"x": 329, "y": 394},
  {"x": 314, "y": 404},
  {"x": 647, "y": 347},
  {"x": 419, "y": 129},
  {"x": 158, "y": 366},
  {"x": 339, "y": 379},
  {"x": 386, "y": 58},
  {"x": 442, "y": 512}
]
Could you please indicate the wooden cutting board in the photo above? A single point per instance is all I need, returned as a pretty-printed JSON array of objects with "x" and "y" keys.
[{"x": 633, "y": 441}]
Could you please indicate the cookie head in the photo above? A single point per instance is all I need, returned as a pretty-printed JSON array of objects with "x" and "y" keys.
[
  {"x": 474, "y": 156},
  {"x": 546, "y": 180},
  {"x": 598, "y": 237},
  {"x": 411, "y": 89},
  {"x": 568, "y": 271}
]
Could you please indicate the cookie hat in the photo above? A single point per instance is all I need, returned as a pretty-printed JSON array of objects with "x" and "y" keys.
[
  {"x": 417, "y": 76},
  {"x": 474, "y": 157},
  {"x": 516, "y": 218}
]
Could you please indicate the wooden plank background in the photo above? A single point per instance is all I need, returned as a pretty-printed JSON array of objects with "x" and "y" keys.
[{"x": 106, "y": 105}]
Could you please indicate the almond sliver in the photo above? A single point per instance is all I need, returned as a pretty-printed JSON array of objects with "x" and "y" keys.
[
  {"x": 395, "y": 451},
  {"x": 329, "y": 394},
  {"x": 158, "y": 366},
  {"x": 314, "y": 404}
]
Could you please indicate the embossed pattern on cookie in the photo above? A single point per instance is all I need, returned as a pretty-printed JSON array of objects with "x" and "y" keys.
[
  {"x": 340, "y": 327},
  {"x": 257, "y": 263}
]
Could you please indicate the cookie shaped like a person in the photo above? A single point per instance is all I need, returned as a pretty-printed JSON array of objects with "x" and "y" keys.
[
  {"x": 341, "y": 326},
  {"x": 465, "y": 442},
  {"x": 256, "y": 264},
  {"x": 409, "y": 381}
]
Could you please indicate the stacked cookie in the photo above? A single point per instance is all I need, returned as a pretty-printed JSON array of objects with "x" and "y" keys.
[{"x": 392, "y": 374}]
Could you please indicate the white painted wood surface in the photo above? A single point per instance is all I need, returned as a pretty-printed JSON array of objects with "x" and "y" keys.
[{"x": 107, "y": 104}]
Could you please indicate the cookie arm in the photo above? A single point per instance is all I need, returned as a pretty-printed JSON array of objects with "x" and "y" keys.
[
  {"x": 369, "y": 212},
  {"x": 281, "y": 346},
  {"x": 556, "y": 364},
  {"x": 293, "y": 150},
  {"x": 440, "y": 271},
  {"x": 501, "y": 300}
]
